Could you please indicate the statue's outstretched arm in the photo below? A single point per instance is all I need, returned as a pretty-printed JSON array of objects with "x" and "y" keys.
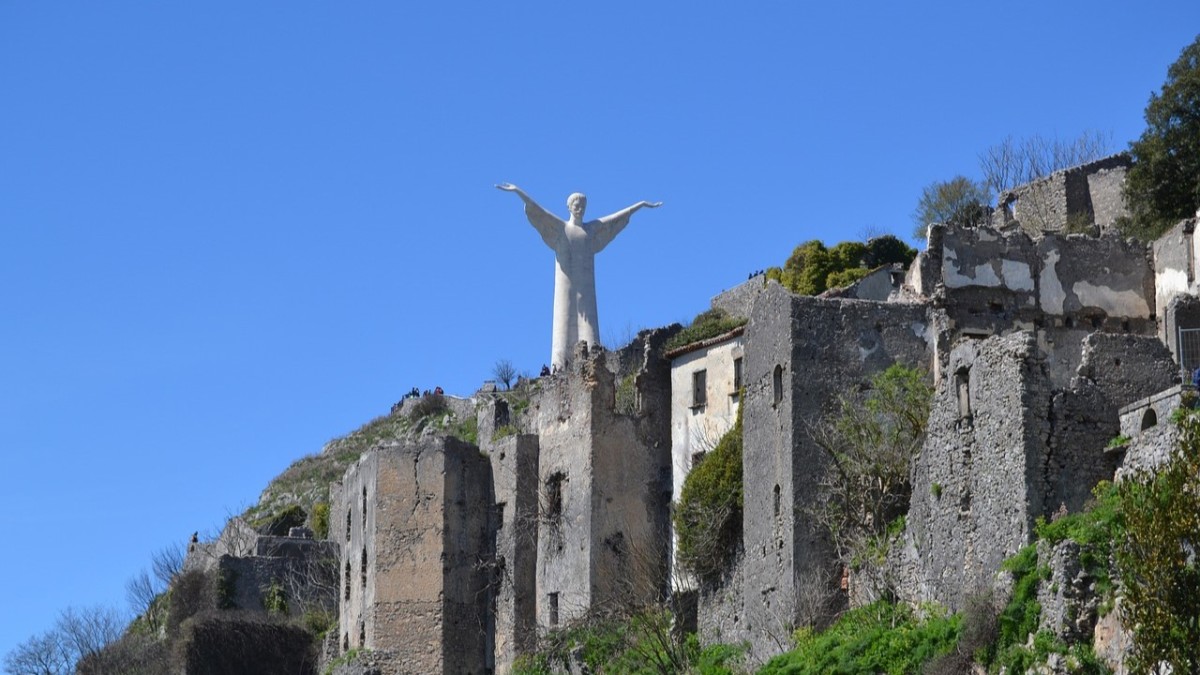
[
  {"x": 604, "y": 230},
  {"x": 548, "y": 225}
]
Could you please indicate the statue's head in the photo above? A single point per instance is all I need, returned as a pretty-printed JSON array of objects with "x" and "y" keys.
[{"x": 576, "y": 204}]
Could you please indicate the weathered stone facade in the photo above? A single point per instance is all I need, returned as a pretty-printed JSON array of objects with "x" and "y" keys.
[
  {"x": 414, "y": 524},
  {"x": 261, "y": 573},
  {"x": 582, "y": 488},
  {"x": 1085, "y": 198},
  {"x": 977, "y": 485},
  {"x": 801, "y": 353},
  {"x": 1033, "y": 339},
  {"x": 517, "y": 494}
]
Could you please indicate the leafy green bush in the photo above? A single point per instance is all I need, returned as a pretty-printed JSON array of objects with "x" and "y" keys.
[
  {"x": 275, "y": 600},
  {"x": 708, "y": 517},
  {"x": 1156, "y": 557},
  {"x": 812, "y": 268},
  {"x": 869, "y": 441},
  {"x": 625, "y": 402},
  {"x": 319, "y": 519},
  {"x": 642, "y": 644},
  {"x": 1020, "y": 616},
  {"x": 1094, "y": 529},
  {"x": 708, "y": 324},
  {"x": 879, "y": 638}
]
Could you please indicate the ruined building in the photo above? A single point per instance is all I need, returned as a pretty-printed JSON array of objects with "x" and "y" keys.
[{"x": 1042, "y": 340}]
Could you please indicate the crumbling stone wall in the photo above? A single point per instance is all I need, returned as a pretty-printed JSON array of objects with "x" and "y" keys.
[
  {"x": 720, "y": 607},
  {"x": 415, "y": 522},
  {"x": 977, "y": 485},
  {"x": 1106, "y": 187},
  {"x": 1114, "y": 371},
  {"x": 1076, "y": 198},
  {"x": 642, "y": 353},
  {"x": 801, "y": 353},
  {"x": 882, "y": 284},
  {"x": 517, "y": 493},
  {"x": 237, "y": 645},
  {"x": 1060, "y": 287},
  {"x": 604, "y": 484},
  {"x": 738, "y": 301}
]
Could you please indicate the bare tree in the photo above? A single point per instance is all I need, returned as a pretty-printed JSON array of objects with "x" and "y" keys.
[
  {"x": 44, "y": 654},
  {"x": 141, "y": 592},
  {"x": 504, "y": 372},
  {"x": 166, "y": 564},
  {"x": 1014, "y": 162},
  {"x": 85, "y": 633}
]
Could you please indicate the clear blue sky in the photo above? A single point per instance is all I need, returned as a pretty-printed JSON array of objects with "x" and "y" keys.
[{"x": 232, "y": 231}]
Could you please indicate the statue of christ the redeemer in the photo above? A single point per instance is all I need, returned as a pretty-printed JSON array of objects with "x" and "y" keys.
[{"x": 575, "y": 245}]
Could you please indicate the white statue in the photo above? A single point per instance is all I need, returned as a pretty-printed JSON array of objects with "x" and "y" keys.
[{"x": 575, "y": 245}]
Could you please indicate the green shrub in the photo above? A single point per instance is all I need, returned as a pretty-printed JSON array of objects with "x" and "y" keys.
[
  {"x": 879, "y": 638},
  {"x": 642, "y": 644},
  {"x": 318, "y": 622},
  {"x": 319, "y": 519},
  {"x": 467, "y": 431},
  {"x": 844, "y": 278},
  {"x": 280, "y": 523},
  {"x": 1156, "y": 558},
  {"x": 227, "y": 589},
  {"x": 708, "y": 324},
  {"x": 812, "y": 268},
  {"x": 429, "y": 405},
  {"x": 275, "y": 600},
  {"x": 1020, "y": 616},
  {"x": 708, "y": 516},
  {"x": 625, "y": 399},
  {"x": 1094, "y": 529}
]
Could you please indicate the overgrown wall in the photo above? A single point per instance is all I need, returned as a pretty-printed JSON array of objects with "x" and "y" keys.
[{"x": 821, "y": 349}]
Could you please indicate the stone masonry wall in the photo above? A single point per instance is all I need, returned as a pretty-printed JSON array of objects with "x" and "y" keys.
[
  {"x": 515, "y": 477},
  {"x": 801, "y": 353},
  {"x": 604, "y": 481},
  {"x": 977, "y": 485},
  {"x": 1115, "y": 371},
  {"x": 1060, "y": 287},
  {"x": 415, "y": 574},
  {"x": 738, "y": 301},
  {"x": 1077, "y": 197}
]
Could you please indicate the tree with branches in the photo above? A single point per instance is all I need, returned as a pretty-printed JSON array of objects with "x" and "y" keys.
[
  {"x": 504, "y": 372},
  {"x": 1163, "y": 186},
  {"x": 869, "y": 440},
  {"x": 958, "y": 201}
]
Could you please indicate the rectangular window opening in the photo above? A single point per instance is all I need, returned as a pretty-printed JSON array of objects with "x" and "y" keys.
[
  {"x": 552, "y": 605},
  {"x": 699, "y": 388}
]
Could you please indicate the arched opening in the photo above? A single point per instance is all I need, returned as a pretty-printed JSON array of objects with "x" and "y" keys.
[
  {"x": 1149, "y": 419},
  {"x": 776, "y": 501},
  {"x": 777, "y": 384}
]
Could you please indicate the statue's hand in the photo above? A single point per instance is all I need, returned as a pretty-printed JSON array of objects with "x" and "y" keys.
[
  {"x": 507, "y": 187},
  {"x": 652, "y": 205}
]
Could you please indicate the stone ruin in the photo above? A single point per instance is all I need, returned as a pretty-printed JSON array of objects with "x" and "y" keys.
[{"x": 1042, "y": 346}]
